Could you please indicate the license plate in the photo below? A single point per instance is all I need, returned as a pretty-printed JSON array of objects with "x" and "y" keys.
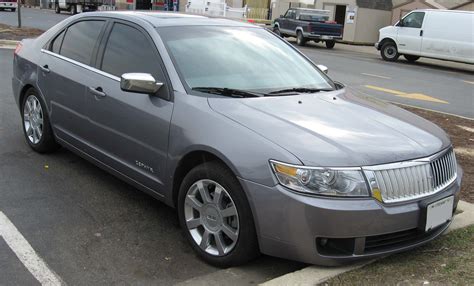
[{"x": 439, "y": 213}]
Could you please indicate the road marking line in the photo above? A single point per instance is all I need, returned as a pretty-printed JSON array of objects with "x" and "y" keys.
[
  {"x": 374, "y": 75},
  {"x": 417, "y": 96},
  {"x": 27, "y": 255},
  {"x": 469, "y": 129},
  {"x": 469, "y": 82}
]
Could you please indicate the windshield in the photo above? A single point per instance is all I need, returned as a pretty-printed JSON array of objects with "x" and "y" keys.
[{"x": 238, "y": 58}]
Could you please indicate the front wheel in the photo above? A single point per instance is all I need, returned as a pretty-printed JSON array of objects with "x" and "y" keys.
[
  {"x": 216, "y": 217},
  {"x": 389, "y": 52},
  {"x": 300, "y": 39},
  {"x": 411, "y": 58},
  {"x": 330, "y": 44}
]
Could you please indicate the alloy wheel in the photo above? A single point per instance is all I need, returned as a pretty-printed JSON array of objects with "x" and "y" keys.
[
  {"x": 33, "y": 119},
  {"x": 390, "y": 52},
  {"x": 211, "y": 217}
]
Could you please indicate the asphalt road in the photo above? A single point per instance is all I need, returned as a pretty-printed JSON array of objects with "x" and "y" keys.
[{"x": 34, "y": 18}]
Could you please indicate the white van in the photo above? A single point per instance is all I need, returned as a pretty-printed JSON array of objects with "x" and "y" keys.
[{"x": 440, "y": 34}]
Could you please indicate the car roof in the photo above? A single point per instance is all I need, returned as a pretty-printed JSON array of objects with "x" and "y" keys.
[{"x": 167, "y": 19}]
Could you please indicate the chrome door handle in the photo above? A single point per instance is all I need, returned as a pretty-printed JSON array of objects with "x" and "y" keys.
[
  {"x": 97, "y": 91},
  {"x": 45, "y": 68}
]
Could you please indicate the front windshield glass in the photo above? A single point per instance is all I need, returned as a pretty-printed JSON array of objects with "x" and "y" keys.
[{"x": 250, "y": 59}]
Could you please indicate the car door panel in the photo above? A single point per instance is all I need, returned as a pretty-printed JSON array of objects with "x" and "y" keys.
[
  {"x": 63, "y": 80},
  {"x": 130, "y": 130},
  {"x": 410, "y": 35}
]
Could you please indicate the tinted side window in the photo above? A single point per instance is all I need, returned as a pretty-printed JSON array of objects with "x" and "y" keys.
[
  {"x": 80, "y": 40},
  {"x": 129, "y": 50},
  {"x": 56, "y": 44},
  {"x": 414, "y": 20}
]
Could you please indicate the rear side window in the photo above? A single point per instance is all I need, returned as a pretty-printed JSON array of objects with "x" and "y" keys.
[
  {"x": 129, "y": 50},
  {"x": 414, "y": 20},
  {"x": 80, "y": 40},
  {"x": 56, "y": 44}
]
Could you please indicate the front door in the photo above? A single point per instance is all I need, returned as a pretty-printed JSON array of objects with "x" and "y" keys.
[
  {"x": 410, "y": 33},
  {"x": 129, "y": 131}
]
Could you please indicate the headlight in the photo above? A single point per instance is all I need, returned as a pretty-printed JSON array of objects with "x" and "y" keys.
[{"x": 321, "y": 181}]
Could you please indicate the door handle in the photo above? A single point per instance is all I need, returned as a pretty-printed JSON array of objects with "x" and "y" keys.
[
  {"x": 421, "y": 33},
  {"x": 97, "y": 91},
  {"x": 45, "y": 68}
]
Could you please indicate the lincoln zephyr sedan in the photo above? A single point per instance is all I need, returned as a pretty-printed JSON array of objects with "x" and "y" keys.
[{"x": 253, "y": 144}]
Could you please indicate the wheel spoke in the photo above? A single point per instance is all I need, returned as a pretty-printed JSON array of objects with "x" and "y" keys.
[
  {"x": 217, "y": 196},
  {"x": 26, "y": 117},
  {"x": 232, "y": 234},
  {"x": 34, "y": 135},
  {"x": 193, "y": 223},
  {"x": 206, "y": 198},
  {"x": 39, "y": 132},
  {"x": 193, "y": 202},
  {"x": 219, "y": 243},
  {"x": 40, "y": 120},
  {"x": 29, "y": 130},
  {"x": 230, "y": 211},
  {"x": 205, "y": 240}
]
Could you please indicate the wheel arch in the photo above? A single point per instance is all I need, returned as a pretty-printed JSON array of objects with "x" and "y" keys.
[
  {"x": 189, "y": 161},
  {"x": 387, "y": 40}
]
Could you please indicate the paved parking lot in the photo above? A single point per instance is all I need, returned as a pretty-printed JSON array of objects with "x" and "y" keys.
[{"x": 89, "y": 227}]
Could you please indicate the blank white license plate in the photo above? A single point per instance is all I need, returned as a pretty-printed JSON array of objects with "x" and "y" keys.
[{"x": 439, "y": 213}]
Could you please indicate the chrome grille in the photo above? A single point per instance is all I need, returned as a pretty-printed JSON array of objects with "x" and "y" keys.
[{"x": 414, "y": 179}]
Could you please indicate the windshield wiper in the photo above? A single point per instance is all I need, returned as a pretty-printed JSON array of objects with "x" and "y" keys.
[
  {"x": 228, "y": 92},
  {"x": 300, "y": 89}
]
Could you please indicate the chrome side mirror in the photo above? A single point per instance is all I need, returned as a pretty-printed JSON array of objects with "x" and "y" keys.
[
  {"x": 323, "y": 68},
  {"x": 140, "y": 83}
]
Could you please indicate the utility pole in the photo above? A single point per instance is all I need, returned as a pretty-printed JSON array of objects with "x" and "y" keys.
[{"x": 19, "y": 13}]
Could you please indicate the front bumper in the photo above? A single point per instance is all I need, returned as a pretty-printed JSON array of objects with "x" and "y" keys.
[
  {"x": 312, "y": 36},
  {"x": 8, "y": 5},
  {"x": 293, "y": 226}
]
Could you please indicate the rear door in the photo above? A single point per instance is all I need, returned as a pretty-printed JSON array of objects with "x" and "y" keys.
[
  {"x": 410, "y": 34},
  {"x": 129, "y": 131},
  {"x": 64, "y": 73}
]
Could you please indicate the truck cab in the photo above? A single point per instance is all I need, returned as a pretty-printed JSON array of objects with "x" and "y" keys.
[{"x": 308, "y": 24}]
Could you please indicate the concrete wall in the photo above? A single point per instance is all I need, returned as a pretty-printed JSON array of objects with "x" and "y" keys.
[
  {"x": 401, "y": 11},
  {"x": 467, "y": 7},
  {"x": 368, "y": 24}
]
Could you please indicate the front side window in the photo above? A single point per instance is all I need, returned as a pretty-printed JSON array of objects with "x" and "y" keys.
[
  {"x": 290, "y": 14},
  {"x": 80, "y": 40},
  {"x": 246, "y": 59},
  {"x": 129, "y": 50},
  {"x": 414, "y": 20}
]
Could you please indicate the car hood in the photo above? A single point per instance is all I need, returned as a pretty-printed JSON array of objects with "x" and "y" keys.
[{"x": 336, "y": 128}]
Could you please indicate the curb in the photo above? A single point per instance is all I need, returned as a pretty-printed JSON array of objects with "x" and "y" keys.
[
  {"x": 313, "y": 275},
  {"x": 8, "y": 44}
]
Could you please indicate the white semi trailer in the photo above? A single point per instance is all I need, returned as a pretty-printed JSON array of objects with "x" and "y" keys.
[{"x": 76, "y": 6}]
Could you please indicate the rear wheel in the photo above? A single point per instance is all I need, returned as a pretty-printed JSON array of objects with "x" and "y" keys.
[
  {"x": 330, "y": 44},
  {"x": 216, "y": 217},
  {"x": 36, "y": 124},
  {"x": 389, "y": 51},
  {"x": 300, "y": 39},
  {"x": 411, "y": 58}
]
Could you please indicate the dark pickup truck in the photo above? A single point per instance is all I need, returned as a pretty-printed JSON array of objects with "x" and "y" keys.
[{"x": 308, "y": 24}]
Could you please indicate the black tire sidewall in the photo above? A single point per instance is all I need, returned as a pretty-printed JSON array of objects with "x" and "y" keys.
[
  {"x": 246, "y": 247},
  {"x": 330, "y": 44},
  {"x": 300, "y": 40},
  {"x": 411, "y": 58},
  {"x": 47, "y": 142}
]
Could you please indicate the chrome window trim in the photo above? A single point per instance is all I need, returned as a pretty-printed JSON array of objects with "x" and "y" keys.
[{"x": 92, "y": 69}]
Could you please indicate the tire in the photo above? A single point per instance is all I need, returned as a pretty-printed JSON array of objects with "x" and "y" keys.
[
  {"x": 300, "y": 39},
  {"x": 56, "y": 8},
  {"x": 276, "y": 30},
  {"x": 208, "y": 177},
  {"x": 330, "y": 44},
  {"x": 34, "y": 118},
  {"x": 13, "y": 10},
  {"x": 389, "y": 52},
  {"x": 411, "y": 58},
  {"x": 73, "y": 9}
]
